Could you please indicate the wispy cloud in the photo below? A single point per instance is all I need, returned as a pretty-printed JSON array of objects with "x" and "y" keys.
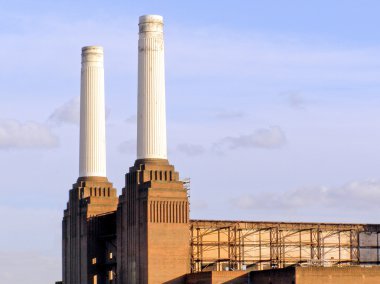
[
  {"x": 17, "y": 135},
  {"x": 69, "y": 112},
  {"x": 266, "y": 138},
  {"x": 353, "y": 195},
  {"x": 230, "y": 114},
  {"x": 273, "y": 58},
  {"x": 128, "y": 146},
  {"x": 36, "y": 252},
  {"x": 34, "y": 265},
  {"x": 199, "y": 204},
  {"x": 191, "y": 149},
  {"x": 131, "y": 119},
  {"x": 295, "y": 100}
]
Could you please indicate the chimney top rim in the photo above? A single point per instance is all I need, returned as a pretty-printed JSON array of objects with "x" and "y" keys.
[
  {"x": 93, "y": 48},
  {"x": 151, "y": 19}
]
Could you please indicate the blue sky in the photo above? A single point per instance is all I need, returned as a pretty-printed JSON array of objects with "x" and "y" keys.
[{"x": 272, "y": 111}]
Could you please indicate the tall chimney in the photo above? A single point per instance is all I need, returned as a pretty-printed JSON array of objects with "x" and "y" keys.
[
  {"x": 92, "y": 195},
  {"x": 92, "y": 152},
  {"x": 153, "y": 210},
  {"x": 151, "y": 116}
]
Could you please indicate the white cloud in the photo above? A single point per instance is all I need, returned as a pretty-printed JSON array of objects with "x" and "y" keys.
[
  {"x": 17, "y": 135},
  {"x": 191, "y": 149},
  {"x": 67, "y": 113},
  {"x": 267, "y": 138},
  {"x": 353, "y": 195}
]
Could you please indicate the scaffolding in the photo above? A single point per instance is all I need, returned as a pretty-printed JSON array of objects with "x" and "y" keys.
[{"x": 235, "y": 245}]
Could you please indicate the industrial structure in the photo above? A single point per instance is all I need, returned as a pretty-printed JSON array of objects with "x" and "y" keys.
[
  {"x": 145, "y": 235},
  {"x": 233, "y": 245}
]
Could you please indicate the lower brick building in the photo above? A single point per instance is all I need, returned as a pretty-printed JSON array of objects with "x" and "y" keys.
[{"x": 237, "y": 247}]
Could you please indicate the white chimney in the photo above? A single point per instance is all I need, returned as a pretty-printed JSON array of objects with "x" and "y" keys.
[
  {"x": 92, "y": 152},
  {"x": 151, "y": 115}
]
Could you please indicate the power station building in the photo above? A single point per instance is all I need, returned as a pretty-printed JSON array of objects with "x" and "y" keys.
[{"x": 145, "y": 235}]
